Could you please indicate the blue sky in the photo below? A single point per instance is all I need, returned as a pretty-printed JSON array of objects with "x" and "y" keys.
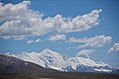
[{"x": 101, "y": 35}]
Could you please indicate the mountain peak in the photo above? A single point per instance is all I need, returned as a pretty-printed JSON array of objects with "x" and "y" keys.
[{"x": 48, "y": 51}]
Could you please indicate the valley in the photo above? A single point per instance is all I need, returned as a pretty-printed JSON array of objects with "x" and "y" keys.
[{"x": 58, "y": 75}]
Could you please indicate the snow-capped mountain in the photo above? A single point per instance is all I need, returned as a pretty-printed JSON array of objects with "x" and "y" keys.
[
  {"x": 9, "y": 64},
  {"x": 54, "y": 60}
]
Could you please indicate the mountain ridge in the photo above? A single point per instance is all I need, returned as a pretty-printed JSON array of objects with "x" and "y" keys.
[
  {"x": 9, "y": 64},
  {"x": 50, "y": 59}
]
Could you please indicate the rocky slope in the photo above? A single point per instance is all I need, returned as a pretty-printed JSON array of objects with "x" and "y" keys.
[{"x": 10, "y": 64}]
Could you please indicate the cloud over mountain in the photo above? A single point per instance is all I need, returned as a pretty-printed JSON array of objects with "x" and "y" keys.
[
  {"x": 57, "y": 37},
  {"x": 18, "y": 21},
  {"x": 34, "y": 41},
  {"x": 114, "y": 48},
  {"x": 96, "y": 41},
  {"x": 85, "y": 52}
]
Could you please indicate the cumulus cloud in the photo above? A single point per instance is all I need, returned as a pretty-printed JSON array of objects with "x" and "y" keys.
[
  {"x": 85, "y": 53},
  {"x": 34, "y": 41},
  {"x": 57, "y": 37},
  {"x": 19, "y": 21},
  {"x": 96, "y": 41},
  {"x": 78, "y": 23},
  {"x": 114, "y": 48}
]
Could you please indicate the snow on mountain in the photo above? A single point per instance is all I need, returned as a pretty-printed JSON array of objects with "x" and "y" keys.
[
  {"x": 54, "y": 60},
  {"x": 103, "y": 70},
  {"x": 9, "y": 64}
]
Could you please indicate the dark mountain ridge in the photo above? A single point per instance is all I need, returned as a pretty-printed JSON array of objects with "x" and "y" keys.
[{"x": 9, "y": 64}]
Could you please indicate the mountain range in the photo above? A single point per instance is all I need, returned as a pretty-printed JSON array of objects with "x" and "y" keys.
[
  {"x": 49, "y": 59},
  {"x": 9, "y": 64}
]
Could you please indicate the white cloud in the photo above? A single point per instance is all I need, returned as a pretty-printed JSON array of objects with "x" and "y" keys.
[
  {"x": 18, "y": 21},
  {"x": 57, "y": 37},
  {"x": 85, "y": 53},
  {"x": 34, "y": 41},
  {"x": 96, "y": 41},
  {"x": 114, "y": 48},
  {"x": 78, "y": 23}
]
